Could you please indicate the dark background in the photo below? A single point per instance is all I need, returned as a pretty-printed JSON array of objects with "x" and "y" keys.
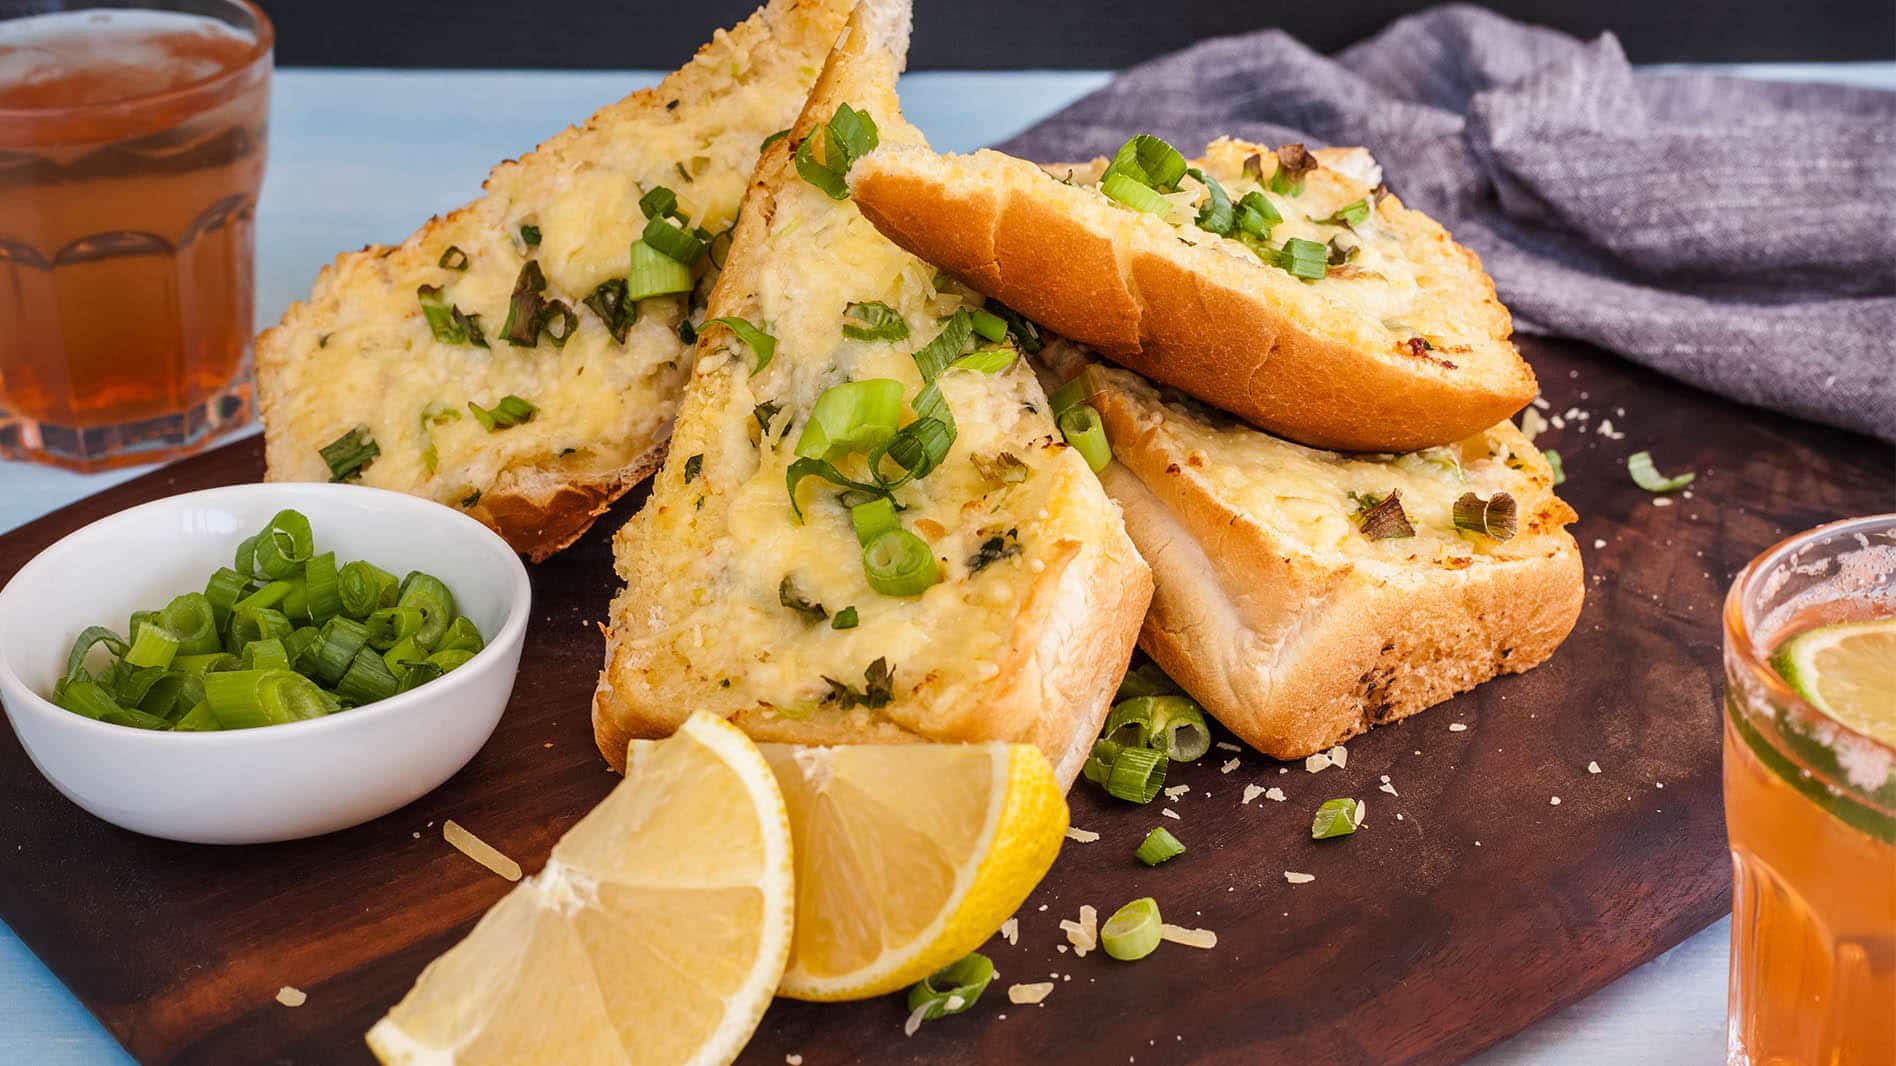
[{"x": 609, "y": 35}]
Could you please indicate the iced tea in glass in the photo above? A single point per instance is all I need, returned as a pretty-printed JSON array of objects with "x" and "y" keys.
[
  {"x": 131, "y": 153},
  {"x": 1810, "y": 800}
]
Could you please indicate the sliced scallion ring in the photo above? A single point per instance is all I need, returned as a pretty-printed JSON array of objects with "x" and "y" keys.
[
  {"x": 364, "y": 587},
  {"x": 1129, "y": 724},
  {"x": 761, "y": 344},
  {"x": 1648, "y": 477},
  {"x": 1159, "y": 846},
  {"x": 1560, "y": 472},
  {"x": 367, "y": 679},
  {"x": 1122, "y": 189},
  {"x": 1132, "y": 932},
  {"x": 345, "y": 456},
  {"x": 193, "y": 620},
  {"x": 872, "y": 519},
  {"x": 673, "y": 242},
  {"x": 874, "y": 321},
  {"x": 322, "y": 587},
  {"x": 1136, "y": 775},
  {"x": 431, "y": 596},
  {"x": 152, "y": 645},
  {"x": 1082, "y": 428},
  {"x": 952, "y": 989},
  {"x": 654, "y": 273},
  {"x": 245, "y": 699},
  {"x": 1149, "y": 161},
  {"x": 855, "y": 416},
  {"x": 899, "y": 563},
  {"x": 1216, "y": 214},
  {"x": 988, "y": 326},
  {"x": 1336, "y": 818},
  {"x": 1494, "y": 517}
]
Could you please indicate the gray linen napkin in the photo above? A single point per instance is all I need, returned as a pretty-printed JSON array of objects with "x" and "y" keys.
[{"x": 1739, "y": 235}]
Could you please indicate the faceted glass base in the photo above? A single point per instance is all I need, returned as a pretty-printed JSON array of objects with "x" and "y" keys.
[{"x": 91, "y": 448}]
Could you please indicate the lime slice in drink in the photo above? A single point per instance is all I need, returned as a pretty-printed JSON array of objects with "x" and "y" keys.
[{"x": 1847, "y": 671}]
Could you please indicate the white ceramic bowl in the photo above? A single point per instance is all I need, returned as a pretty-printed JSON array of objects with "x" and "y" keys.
[{"x": 276, "y": 782}]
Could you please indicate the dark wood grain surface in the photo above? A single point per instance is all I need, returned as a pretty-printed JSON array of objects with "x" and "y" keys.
[{"x": 1423, "y": 938}]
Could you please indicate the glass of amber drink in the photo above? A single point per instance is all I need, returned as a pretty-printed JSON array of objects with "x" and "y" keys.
[
  {"x": 131, "y": 153},
  {"x": 1810, "y": 799}
]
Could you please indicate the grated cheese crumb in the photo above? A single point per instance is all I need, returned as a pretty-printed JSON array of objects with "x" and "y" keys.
[
  {"x": 915, "y": 1019},
  {"x": 1553, "y": 801},
  {"x": 1593, "y": 768},
  {"x": 1081, "y": 836},
  {"x": 1226, "y": 745},
  {"x": 1010, "y": 930},
  {"x": 1230, "y": 765},
  {"x": 793, "y": 1060},
  {"x": 1275, "y": 795},
  {"x": 1252, "y": 792},
  {"x": 291, "y": 996},
  {"x": 1340, "y": 756},
  {"x": 1298, "y": 879},
  {"x": 1191, "y": 938},
  {"x": 1034, "y": 993},
  {"x": 1170, "y": 813},
  {"x": 1176, "y": 791},
  {"x": 1599, "y": 542},
  {"x": 479, "y": 850},
  {"x": 1318, "y": 762},
  {"x": 1458, "y": 727},
  {"x": 1360, "y": 812}
]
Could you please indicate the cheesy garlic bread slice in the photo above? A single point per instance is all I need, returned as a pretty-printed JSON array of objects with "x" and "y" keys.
[
  {"x": 1303, "y": 595},
  {"x": 507, "y": 358},
  {"x": 1288, "y": 287},
  {"x": 868, "y": 529}
]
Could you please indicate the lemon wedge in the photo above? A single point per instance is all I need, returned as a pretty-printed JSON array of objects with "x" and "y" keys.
[
  {"x": 1848, "y": 671},
  {"x": 656, "y": 933},
  {"x": 909, "y": 856}
]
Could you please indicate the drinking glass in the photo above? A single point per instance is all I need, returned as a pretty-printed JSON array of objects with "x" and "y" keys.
[
  {"x": 132, "y": 138},
  {"x": 1810, "y": 806}
]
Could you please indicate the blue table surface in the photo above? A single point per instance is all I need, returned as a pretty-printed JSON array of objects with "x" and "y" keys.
[{"x": 364, "y": 156}]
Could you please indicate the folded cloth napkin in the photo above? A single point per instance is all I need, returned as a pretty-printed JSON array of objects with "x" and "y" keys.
[{"x": 1737, "y": 234}]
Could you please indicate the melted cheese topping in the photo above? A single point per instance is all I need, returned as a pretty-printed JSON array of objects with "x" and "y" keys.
[
  {"x": 1315, "y": 497},
  {"x": 1379, "y": 282},
  {"x": 726, "y": 635},
  {"x": 362, "y": 353}
]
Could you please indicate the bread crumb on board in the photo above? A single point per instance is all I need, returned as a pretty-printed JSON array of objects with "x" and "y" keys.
[
  {"x": 1010, "y": 930},
  {"x": 291, "y": 996},
  {"x": 1296, "y": 878},
  {"x": 1191, "y": 938},
  {"x": 1251, "y": 792},
  {"x": 1081, "y": 836},
  {"x": 1319, "y": 762}
]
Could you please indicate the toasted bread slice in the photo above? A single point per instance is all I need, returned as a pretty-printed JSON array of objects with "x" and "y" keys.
[
  {"x": 1403, "y": 346},
  {"x": 1277, "y": 611},
  {"x": 732, "y": 604},
  {"x": 360, "y": 352}
]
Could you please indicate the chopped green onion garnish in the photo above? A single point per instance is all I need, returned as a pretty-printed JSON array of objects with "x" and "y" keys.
[
  {"x": 806, "y": 468},
  {"x": 674, "y": 242},
  {"x": 1216, "y": 214},
  {"x": 957, "y": 332},
  {"x": 1384, "y": 519},
  {"x": 609, "y": 302},
  {"x": 1125, "y": 190},
  {"x": 989, "y": 326},
  {"x": 446, "y": 322},
  {"x": 1136, "y": 775},
  {"x": 367, "y": 679},
  {"x": 152, "y": 645},
  {"x": 1099, "y": 763},
  {"x": 899, "y": 563},
  {"x": 454, "y": 258},
  {"x": 844, "y": 619},
  {"x": 1132, "y": 932},
  {"x": 1494, "y": 516},
  {"x": 951, "y": 989},
  {"x": 1026, "y": 334},
  {"x": 223, "y": 590},
  {"x": 855, "y": 416},
  {"x": 245, "y": 699},
  {"x": 511, "y": 411},
  {"x": 1074, "y": 393},
  {"x": 659, "y": 203},
  {"x": 431, "y": 596},
  {"x": 1082, "y": 428},
  {"x": 255, "y": 623},
  {"x": 266, "y": 655},
  {"x": 450, "y": 660},
  {"x": 389, "y": 626},
  {"x": 322, "y": 587},
  {"x": 694, "y": 465},
  {"x": 918, "y": 448},
  {"x": 874, "y": 321},
  {"x": 1129, "y": 724},
  {"x": 1336, "y": 818},
  {"x": 349, "y": 453},
  {"x": 462, "y": 635},
  {"x": 1149, "y": 161},
  {"x": 1293, "y": 162},
  {"x": 792, "y": 598},
  {"x": 1304, "y": 259},
  {"x": 365, "y": 588},
  {"x": 1256, "y": 215},
  {"x": 1648, "y": 477},
  {"x": 337, "y": 644},
  {"x": 1146, "y": 680},
  {"x": 198, "y": 720},
  {"x": 654, "y": 273},
  {"x": 1351, "y": 215},
  {"x": 284, "y": 545},
  {"x": 848, "y": 136},
  {"x": 764, "y": 145},
  {"x": 1560, "y": 472},
  {"x": 872, "y": 519},
  {"x": 1178, "y": 728},
  {"x": 1159, "y": 846},
  {"x": 762, "y": 344}
]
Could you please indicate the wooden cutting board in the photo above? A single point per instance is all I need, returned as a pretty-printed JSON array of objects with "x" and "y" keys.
[{"x": 1467, "y": 907}]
